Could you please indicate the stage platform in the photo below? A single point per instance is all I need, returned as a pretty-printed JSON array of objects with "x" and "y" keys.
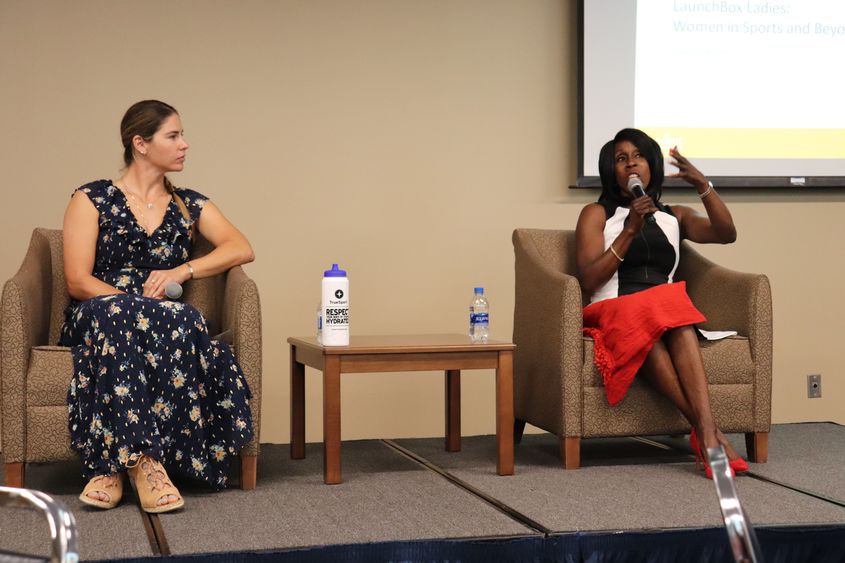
[{"x": 409, "y": 500}]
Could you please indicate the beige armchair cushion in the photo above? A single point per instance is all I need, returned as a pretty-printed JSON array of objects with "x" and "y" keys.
[{"x": 725, "y": 361}]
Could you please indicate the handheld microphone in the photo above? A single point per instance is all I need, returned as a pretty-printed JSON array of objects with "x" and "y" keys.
[
  {"x": 173, "y": 290},
  {"x": 636, "y": 187}
]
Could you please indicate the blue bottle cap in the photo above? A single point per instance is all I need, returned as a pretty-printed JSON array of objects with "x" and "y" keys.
[
  {"x": 479, "y": 290},
  {"x": 335, "y": 272}
]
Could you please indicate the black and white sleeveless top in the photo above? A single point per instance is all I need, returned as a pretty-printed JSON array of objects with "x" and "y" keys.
[{"x": 651, "y": 259}]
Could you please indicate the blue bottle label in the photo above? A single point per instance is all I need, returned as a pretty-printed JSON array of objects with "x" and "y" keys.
[{"x": 479, "y": 319}]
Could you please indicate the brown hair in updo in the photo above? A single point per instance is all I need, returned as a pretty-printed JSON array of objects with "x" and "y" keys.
[{"x": 144, "y": 118}]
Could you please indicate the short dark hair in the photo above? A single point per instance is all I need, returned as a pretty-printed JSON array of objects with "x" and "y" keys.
[{"x": 611, "y": 192}]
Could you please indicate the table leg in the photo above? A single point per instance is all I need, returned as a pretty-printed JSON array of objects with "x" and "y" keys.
[
  {"x": 297, "y": 407},
  {"x": 453, "y": 410},
  {"x": 504, "y": 414},
  {"x": 331, "y": 421}
]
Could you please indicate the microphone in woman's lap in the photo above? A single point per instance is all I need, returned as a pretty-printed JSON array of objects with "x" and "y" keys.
[{"x": 173, "y": 290}]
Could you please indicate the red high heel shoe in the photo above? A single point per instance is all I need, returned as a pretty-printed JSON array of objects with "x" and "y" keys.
[
  {"x": 738, "y": 465},
  {"x": 699, "y": 458}
]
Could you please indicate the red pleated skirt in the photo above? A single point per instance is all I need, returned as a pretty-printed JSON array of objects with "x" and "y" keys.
[{"x": 625, "y": 329}]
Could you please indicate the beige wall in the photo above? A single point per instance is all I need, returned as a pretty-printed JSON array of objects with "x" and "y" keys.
[{"x": 403, "y": 139}]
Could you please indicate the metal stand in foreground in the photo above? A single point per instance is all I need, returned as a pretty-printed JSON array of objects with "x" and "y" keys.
[
  {"x": 63, "y": 548},
  {"x": 740, "y": 532}
]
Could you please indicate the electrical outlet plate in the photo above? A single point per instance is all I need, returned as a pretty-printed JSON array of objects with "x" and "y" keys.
[{"x": 814, "y": 386}]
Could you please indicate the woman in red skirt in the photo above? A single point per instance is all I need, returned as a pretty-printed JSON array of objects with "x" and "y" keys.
[{"x": 627, "y": 252}]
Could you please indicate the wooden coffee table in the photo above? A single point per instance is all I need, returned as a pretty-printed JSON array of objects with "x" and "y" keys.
[{"x": 425, "y": 352}]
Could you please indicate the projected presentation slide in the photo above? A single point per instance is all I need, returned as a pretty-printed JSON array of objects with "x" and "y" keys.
[{"x": 746, "y": 88}]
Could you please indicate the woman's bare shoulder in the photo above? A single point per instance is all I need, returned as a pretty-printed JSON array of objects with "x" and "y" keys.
[
  {"x": 682, "y": 213},
  {"x": 591, "y": 214},
  {"x": 593, "y": 208}
]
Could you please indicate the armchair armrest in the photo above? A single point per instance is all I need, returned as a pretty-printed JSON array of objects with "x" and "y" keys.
[
  {"x": 24, "y": 323},
  {"x": 729, "y": 299},
  {"x": 547, "y": 331},
  {"x": 738, "y": 301},
  {"x": 242, "y": 318}
]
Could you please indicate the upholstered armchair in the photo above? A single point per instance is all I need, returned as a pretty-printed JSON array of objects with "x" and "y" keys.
[
  {"x": 35, "y": 372},
  {"x": 556, "y": 384}
]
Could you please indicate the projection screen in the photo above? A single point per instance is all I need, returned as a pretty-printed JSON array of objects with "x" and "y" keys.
[{"x": 751, "y": 91}]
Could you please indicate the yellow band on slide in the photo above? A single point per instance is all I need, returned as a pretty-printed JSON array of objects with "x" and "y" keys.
[{"x": 751, "y": 143}]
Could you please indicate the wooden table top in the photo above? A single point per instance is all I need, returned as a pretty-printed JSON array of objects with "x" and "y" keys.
[{"x": 402, "y": 344}]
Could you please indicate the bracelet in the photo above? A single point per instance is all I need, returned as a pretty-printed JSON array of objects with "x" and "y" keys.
[
  {"x": 707, "y": 191},
  {"x": 613, "y": 250},
  {"x": 190, "y": 270}
]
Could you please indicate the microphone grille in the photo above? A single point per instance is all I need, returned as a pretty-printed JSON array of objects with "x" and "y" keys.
[
  {"x": 173, "y": 290},
  {"x": 634, "y": 181}
]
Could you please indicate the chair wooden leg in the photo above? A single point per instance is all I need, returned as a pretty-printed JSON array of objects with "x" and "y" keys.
[
  {"x": 14, "y": 474},
  {"x": 249, "y": 472},
  {"x": 570, "y": 452},
  {"x": 757, "y": 445},
  {"x": 518, "y": 429}
]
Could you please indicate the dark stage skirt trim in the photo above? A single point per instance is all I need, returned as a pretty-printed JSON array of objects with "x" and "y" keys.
[{"x": 625, "y": 329}]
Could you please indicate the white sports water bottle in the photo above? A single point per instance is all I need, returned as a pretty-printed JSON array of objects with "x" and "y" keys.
[
  {"x": 479, "y": 317},
  {"x": 335, "y": 307}
]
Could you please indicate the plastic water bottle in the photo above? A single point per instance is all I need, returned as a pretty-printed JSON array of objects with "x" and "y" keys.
[
  {"x": 479, "y": 317},
  {"x": 335, "y": 307}
]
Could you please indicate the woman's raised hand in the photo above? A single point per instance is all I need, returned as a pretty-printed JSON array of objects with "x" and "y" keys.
[{"x": 686, "y": 170}]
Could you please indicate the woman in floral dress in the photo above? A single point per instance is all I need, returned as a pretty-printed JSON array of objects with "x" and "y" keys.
[{"x": 150, "y": 387}]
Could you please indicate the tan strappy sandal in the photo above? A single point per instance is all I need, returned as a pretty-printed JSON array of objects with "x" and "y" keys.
[
  {"x": 109, "y": 485},
  {"x": 152, "y": 483}
]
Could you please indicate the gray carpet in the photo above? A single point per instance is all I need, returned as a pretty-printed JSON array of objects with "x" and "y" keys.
[
  {"x": 810, "y": 457},
  {"x": 623, "y": 485},
  {"x": 384, "y": 497},
  {"x": 112, "y": 534}
]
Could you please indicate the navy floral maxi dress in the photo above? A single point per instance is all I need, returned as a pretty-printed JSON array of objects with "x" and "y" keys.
[{"x": 148, "y": 378}]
